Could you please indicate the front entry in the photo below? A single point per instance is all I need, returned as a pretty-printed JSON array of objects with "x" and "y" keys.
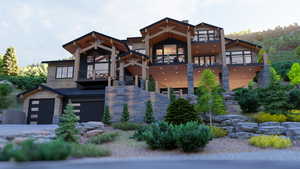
[
  {"x": 89, "y": 110},
  {"x": 40, "y": 111}
]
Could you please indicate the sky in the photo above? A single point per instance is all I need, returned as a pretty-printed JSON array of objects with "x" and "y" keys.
[{"x": 39, "y": 28}]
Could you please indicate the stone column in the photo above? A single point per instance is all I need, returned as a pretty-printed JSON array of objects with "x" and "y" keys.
[
  {"x": 136, "y": 80},
  {"x": 147, "y": 46},
  {"x": 121, "y": 75},
  {"x": 77, "y": 63},
  {"x": 225, "y": 70},
  {"x": 113, "y": 63},
  {"x": 157, "y": 89},
  {"x": 264, "y": 77},
  {"x": 144, "y": 73},
  {"x": 190, "y": 78}
]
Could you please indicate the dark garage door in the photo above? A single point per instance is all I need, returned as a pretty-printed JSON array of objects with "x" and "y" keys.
[
  {"x": 89, "y": 110},
  {"x": 40, "y": 111}
]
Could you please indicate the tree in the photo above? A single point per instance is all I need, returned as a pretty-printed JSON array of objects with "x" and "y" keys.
[
  {"x": 297, "y": 51},
  {"x": 125, "y": 114},
  {"x": 35, "y": 70},
  {"x": 274, "y": 75},
  {"x": 1, "y": 64},
  {"x": 67, "y": 125},
  {"x": 106, "y": 116},
  {"x": 151, "y": 84},
  {"x": 5, "y": 91},
  {"x": 10, "y": 66},
  {"x": 180, "y": 112},
  {"x": 172, "y": 95},
  {"x": 149, "y": 118},
  {"x": 294, "y": 74}
]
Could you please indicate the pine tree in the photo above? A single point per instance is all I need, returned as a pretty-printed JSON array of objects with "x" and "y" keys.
[
  {"x": 172, "y": 96},
  {"x": 125, "y": 114},
  {"x": 106, "y": 116},
  {"x": 1, "y": 64},
  {"x": 149, "y": 118},
  {"x": 67, "y": 125},
  {"x": 294, "y": 74},
  {"x": 10, "y": 66}
]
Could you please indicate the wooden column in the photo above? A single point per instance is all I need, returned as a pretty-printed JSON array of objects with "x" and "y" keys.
[
  {"x": 113, "y": 63},
  {"x": 147, "y": 46},
  {"x": 147, "y": 85},
  {"x": 223, "y": 50},
  {"x": 157, "y": 89},
  {"x": 76, "y": 64},
  {"x": 136, "y": 80},
  {"x": 189, "y": 47},
  {"x": 109, "y": 81},
  {"x": 121, "y": 73},
  {"x": 144, "y": 70}
]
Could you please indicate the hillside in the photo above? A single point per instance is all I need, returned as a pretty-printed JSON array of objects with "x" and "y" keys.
[{"x": 280, "y": 42}]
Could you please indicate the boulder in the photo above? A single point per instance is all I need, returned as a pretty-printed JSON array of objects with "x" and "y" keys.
[
  {"x": 246, "y": 126},
  {"x": 221, "y": 118},
  {"x": 3, "y": 141},
  {"x": 18, "y": 140},
  {"x": 231, "y": 122},
  {"x": 295, "y": 131},
  {"x": 92, "y": 133},
  {"x": 271, "y": 130},
  {"x": 229, "y": 129},
  {"x": 291, "y": 124},
  {"x": 91, "y": 125},
  {"x": 13, "y": 117},
  {"x": 242, "y": 135},
  {"x": 270, "y": 124}
]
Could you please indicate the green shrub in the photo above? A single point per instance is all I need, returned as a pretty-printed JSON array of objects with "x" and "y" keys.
[
  {"x": 126, "y": 126},
  {"x": 25, "y": 82},
  {"x": 294, "y": 115},
  {"x": 191, "y": 136},
  {"x": 247, "y": 99},
  {"x": 67, "y": 125},
  {"x": 30, "y": 151},
  {"x": 266, "y": 117},
  {"x": 181, "y": 111},
  {"x": 218, "y": 132},
  {"x": 270, "y": 142},
  {"x": 106, "y": 116},
  {"x": 88, "y": 150},
  {"x": 139, "y": 134},
  {"x": 103, "y": 138},
  {"x": 125, "y": 114},
  {"x": 149, "y": 117},
  {"x": 5, "y": 90},
  {"x": 294, "y": 98}
]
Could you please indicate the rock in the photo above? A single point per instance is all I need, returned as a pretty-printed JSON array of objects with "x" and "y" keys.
[
  {"x": 6, "y": 82},
  {"x": 92, "y": 133},
  {"x": 290, "y": 124},
  {"x": 3, "y": 141},
  {"x": 295, "y": 131},
  {"x": 91, "y": 125},
  {"x": 270, "y": 124},
  {"x": 271, "y": 130},
  {"x": 42, "y": 140},
  {"x": 221, "y": 118},
  {"x": 246, "y": 126},
  {"x": 18, "y": 140},
  {"x": 231, "y": 122},
  {"x": 229, "y": 129},
  {"x": 242, "y": 135}
]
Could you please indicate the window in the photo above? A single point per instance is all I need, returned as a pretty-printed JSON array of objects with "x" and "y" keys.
[
  {"x": 169, "y": 53},
  {"x": 239, "y": 57},
  {"x": 205, "y": 35},
  {"x": 97, "y": 67},
  {"x": 101, "y": 70},
  {"x": 142, "y": 51},
  {"x": 205, "y": 60},
  {"x": 65, "y": 72}
]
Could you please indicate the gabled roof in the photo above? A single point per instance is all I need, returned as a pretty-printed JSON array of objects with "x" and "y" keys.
[
  {"x": 234, "y": 42},
  {"x": 209, "y": 25},
  {"x": 34, "y": 90},
  {"x": 132, "y": 52},
  {"x": 58, "y": 61},
  {"x": 85, "y": 40},
  {"x": 164, "y": 20}
]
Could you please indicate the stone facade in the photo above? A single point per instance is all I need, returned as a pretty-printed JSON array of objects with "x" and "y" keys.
[
  {"x": 136, "y": 99},
  {"x": 59, "y": 83},
  {"x": 44, "y": 94}
]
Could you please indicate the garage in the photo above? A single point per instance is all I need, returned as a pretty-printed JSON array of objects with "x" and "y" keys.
[
  {"x": 89, "y": 110},
  {"x": 40, "y": 111}
]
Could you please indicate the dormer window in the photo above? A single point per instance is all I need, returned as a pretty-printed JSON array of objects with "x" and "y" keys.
[{"x": 205, "y": 35}]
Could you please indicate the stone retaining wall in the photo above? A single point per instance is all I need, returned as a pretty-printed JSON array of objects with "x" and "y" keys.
[{"x": 241, "y": 127}]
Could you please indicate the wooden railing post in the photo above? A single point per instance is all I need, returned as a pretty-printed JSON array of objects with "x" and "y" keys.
[
  {"x": 136, "y": 80},
  {"x": 147, "y": 85},
  {"x": 157, "y": 89}
]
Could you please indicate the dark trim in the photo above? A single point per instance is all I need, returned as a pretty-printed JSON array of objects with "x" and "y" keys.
[
  {"x": 203, "y": 23},
  {"x": 43, "y": 87},
  {"x": 242, "y": 41},
  {"x": 247, "y": 64},
  {"x": 58, "y": 61},
  {"x": 89, "y": 34},
  {"x": 134, "y": 52},
  {"x": 174, "y": 20}
]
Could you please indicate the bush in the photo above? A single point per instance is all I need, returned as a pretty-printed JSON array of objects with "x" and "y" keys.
[
  {"x": 218, "y": 132},
  {"x": 88, "y": 150},
  {"x": 103, "y": 138},
  {"x": 126, "y": 126},
  {"x": 192, "y": 136},
  {"x": 161, "y": 135},
  {"x": 270, "y": 141},
  {"x": 266, "y": 117},
  {"x": 67, "y": 125},
  {"x": 294, "y": 98},
  {"x": 30, "y": 151},
  {"x": 247, "y": 99},
  {"x": 294, "y": 115},
  {"x": 125, "y": 114},
  {"x": 25, "y": 82},
  {"x": 5, "y": 90},
  {"x": 149, "y": 118},
  {"x": 181, "y": 111},
  {"x": 106, "y": 116}
]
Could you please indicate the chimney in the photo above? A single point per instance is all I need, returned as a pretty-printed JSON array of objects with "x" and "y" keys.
[{"x": 185, "y": 21}]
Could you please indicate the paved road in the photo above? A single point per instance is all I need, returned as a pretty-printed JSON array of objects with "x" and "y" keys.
[
  {"x": 161, "y": 164},
  {"x": 15, "y": 129}
]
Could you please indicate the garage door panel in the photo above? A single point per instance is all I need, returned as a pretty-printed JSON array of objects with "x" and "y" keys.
[
  {"x": 89, "y": 110},
  {"x": 40, "y": 111}
]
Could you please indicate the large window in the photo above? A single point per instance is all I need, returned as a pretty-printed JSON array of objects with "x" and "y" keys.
[
  {"x": 205, "y": 60},
  {"x": 170, "y": 53},
  {"x": 64, "y": 72},
  {"x": 239, "y": 57},
  {"x": 97, "y": 67},
  {"x": 205, "y": 35}
]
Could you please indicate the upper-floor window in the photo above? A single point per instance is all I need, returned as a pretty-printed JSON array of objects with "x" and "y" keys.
[
  {"x": 141, "y": 50},
  {"x": 97, "y": 66},
  {"x": 64, "y": 72},
  {"x": 205, "y": 35},
  {"x": 205, "y": 60},
  {"x": 239, "y": 57},
  {"x": 170, "y": 53}
]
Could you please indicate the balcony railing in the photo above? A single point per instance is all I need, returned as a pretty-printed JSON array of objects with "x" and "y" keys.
[{"x": 93, "y": 75}]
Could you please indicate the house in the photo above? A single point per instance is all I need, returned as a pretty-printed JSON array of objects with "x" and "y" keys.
[{"x": 172, "y": 52}]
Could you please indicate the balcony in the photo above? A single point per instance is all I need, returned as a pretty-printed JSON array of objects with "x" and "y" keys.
[
  {"x": 243, "y": 57},
  {"x": 93, "y": 79}
]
